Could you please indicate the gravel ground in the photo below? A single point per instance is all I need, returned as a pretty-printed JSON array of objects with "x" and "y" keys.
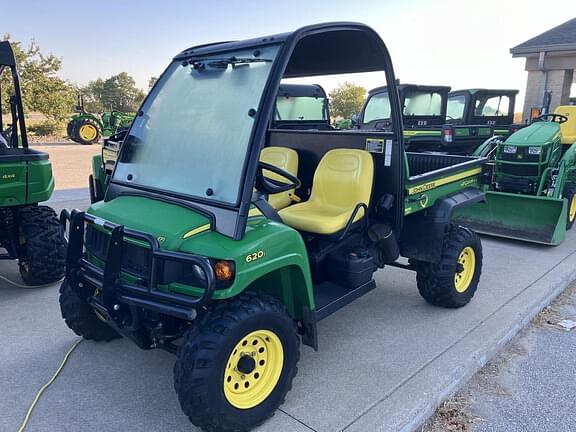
[
  {"x": 71, "y": 163},
  {"x": 529, "y": 386}
]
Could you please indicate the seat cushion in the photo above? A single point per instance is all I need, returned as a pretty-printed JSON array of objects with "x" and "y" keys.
[
  {"x": 568, "y": 129},
  {"x": 283, "y": 158},
  {"x": 343, "y": 179}
]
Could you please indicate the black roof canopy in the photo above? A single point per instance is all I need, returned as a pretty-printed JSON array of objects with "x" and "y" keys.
[{"x": 6, "y": 54}]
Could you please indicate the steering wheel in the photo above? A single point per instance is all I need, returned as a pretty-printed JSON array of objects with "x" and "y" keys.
[
  {"x": 558, "y": 118},
  {"x": 273, "y": 186}
]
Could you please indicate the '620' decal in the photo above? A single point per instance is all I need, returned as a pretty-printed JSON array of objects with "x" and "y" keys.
[{"x": 254, "y": 256}]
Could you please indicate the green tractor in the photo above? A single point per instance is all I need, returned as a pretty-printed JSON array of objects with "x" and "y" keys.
[
  {"x": 531, "y": 187},
  {"x": 226, "y": 243},
  {"x": 29, "y": 233},
  {"x": 86, "y": 128}
]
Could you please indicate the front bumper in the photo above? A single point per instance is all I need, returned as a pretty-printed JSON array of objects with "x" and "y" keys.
[{"x": 118, "y": 296}]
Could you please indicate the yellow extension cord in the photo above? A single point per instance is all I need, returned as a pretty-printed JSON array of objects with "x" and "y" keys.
[
  {"x": 24, "y": 424},
  {"x": 48, "y": 384}
]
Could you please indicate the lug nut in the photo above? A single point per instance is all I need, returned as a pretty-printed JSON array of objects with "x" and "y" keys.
[
  {"x": 116, "y": 307},
  {"x": 80, "y": 285}
]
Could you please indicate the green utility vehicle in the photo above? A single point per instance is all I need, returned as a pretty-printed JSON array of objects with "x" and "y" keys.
[
  {"x": 29, "y": 233},
  {"x": 424, "y": 115},
  {"x": 531, "y": 187},
  {"x": 302, "y": 106},
  {"x": 86, "y": 128},
  {"x": 487, "y": 107},
  {"x": 227, "y": 245}
]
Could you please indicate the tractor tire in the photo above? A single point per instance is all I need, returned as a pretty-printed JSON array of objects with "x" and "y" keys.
[
  {"x": 452, "y": 282},
  {"x": 86, "y": 131},
  {"x": 70, "y": 129},
  {"x": 570, "y": 195},
  {"x": 81, "y": 318},
  {"x": 42, "y": 251},
  {"x": 223, "y": 388}
]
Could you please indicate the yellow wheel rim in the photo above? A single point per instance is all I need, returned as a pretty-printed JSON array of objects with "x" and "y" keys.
[
  {"x": 572, "y": 214},
  {"x": 253, "y": 369},
  {"x": 467, "y": 261},
  {"x": 88, "y": 132}
]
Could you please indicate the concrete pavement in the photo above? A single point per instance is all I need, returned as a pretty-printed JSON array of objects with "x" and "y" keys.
[{"x": 385, "y": 362}]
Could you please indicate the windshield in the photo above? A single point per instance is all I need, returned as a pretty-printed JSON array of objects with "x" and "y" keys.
[
  {"x": 455, "y": 108},
  {"x": 377, "y": 108},
  {"x": 418, "y": 103},
  {"x": 192, "y": 135},
  {"x": 300, "y": 108}
]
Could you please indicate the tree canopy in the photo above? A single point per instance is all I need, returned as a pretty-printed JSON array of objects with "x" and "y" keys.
[
  {"x": 42, "y": 89},
  {"x": 119, "y": 92},
  {"x": 347, "y": 99}
]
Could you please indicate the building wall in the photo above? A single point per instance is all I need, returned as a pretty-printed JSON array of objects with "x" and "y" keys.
[{"x": 558, "y": 82}]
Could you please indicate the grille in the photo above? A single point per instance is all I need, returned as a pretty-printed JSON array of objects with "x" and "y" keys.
[
  {"x": 521, "y": 170},
  {"x": 135, "y": 259}
]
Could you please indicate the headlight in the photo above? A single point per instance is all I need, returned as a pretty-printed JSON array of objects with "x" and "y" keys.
[
  {"x": 510, "y": 149},
  {"x": 534, "y": 150}
]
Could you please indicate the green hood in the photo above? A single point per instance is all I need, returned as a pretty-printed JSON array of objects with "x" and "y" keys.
[
  {"x": 539, "y": 133},
  {"x": 169, "y": 223}
]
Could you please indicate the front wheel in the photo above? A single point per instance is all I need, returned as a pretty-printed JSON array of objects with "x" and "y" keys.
[
  {"x": 81, "y": 318},
  {"x": 452, "y": 282},
  {"x": 234, "y": 371},
  {"x": 42, "y": 250}
]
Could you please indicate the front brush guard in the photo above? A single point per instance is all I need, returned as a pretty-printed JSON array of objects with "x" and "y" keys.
[{"x": 117, "y": 291}]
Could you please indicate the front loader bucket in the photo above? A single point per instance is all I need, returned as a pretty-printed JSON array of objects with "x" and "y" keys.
[{"x": 521, "y": 217}]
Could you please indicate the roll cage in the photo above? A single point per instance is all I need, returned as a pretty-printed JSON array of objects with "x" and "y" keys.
[
  {"x": 18, "y": 127},
  {"x": 316, "y": 50}
]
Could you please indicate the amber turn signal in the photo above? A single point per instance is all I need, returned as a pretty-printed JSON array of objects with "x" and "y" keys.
[{"x": 223, "y": 270}]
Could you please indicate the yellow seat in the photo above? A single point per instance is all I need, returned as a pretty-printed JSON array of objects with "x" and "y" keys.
[
  {"x": 283, "y": 158},
  {"x": 343, "y": 179},
  {"x": 568, "y": 129}
]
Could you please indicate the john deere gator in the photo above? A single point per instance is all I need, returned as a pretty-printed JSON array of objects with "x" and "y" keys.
[
  {"x": 29, "y": 232},
  {"x": 530, "y": 191},
  {"x": 227, "y": 242},
  {"x": 424, "y": 113}
]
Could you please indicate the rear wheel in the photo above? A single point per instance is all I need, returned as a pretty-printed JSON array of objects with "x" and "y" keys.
[
  {"x": 234, "y": 371},
  {"x": 41, "y": 247},
  {"x": 70, "y": 128},
  {"x": 570, "y": 195},
  {"x": 86, "y": 131},
  {"x": 453, "y": 281},
  {"x": 81, "y": 318}
]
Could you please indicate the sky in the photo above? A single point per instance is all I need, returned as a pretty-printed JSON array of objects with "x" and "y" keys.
[{"x": 458, "y": 43}]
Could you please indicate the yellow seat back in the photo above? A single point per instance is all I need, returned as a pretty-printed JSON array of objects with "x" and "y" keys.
[
  {"x": 283, "y": 158},
  {"x": 568, "y": 129},
  {"x": 343, "y": 179}
]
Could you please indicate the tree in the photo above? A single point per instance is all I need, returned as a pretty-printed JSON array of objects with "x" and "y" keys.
[
  {"x": 347, "y": 99},
  {"x": 119, "y": 92},
  {"x": 151, "y": 82},
  {"x": 42, "y": 89}
]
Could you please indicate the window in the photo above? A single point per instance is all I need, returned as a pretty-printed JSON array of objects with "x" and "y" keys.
[
  {"x": 300, "y": 108},
  {"x": 492, "y": 106},
  {"x": 455, "y": 108},
  {"x": 422, "y": 104},
  {"x": 377, "y": 108}
]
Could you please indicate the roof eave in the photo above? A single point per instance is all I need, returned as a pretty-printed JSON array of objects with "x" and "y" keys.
[{"x": 520, "y": 51}]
